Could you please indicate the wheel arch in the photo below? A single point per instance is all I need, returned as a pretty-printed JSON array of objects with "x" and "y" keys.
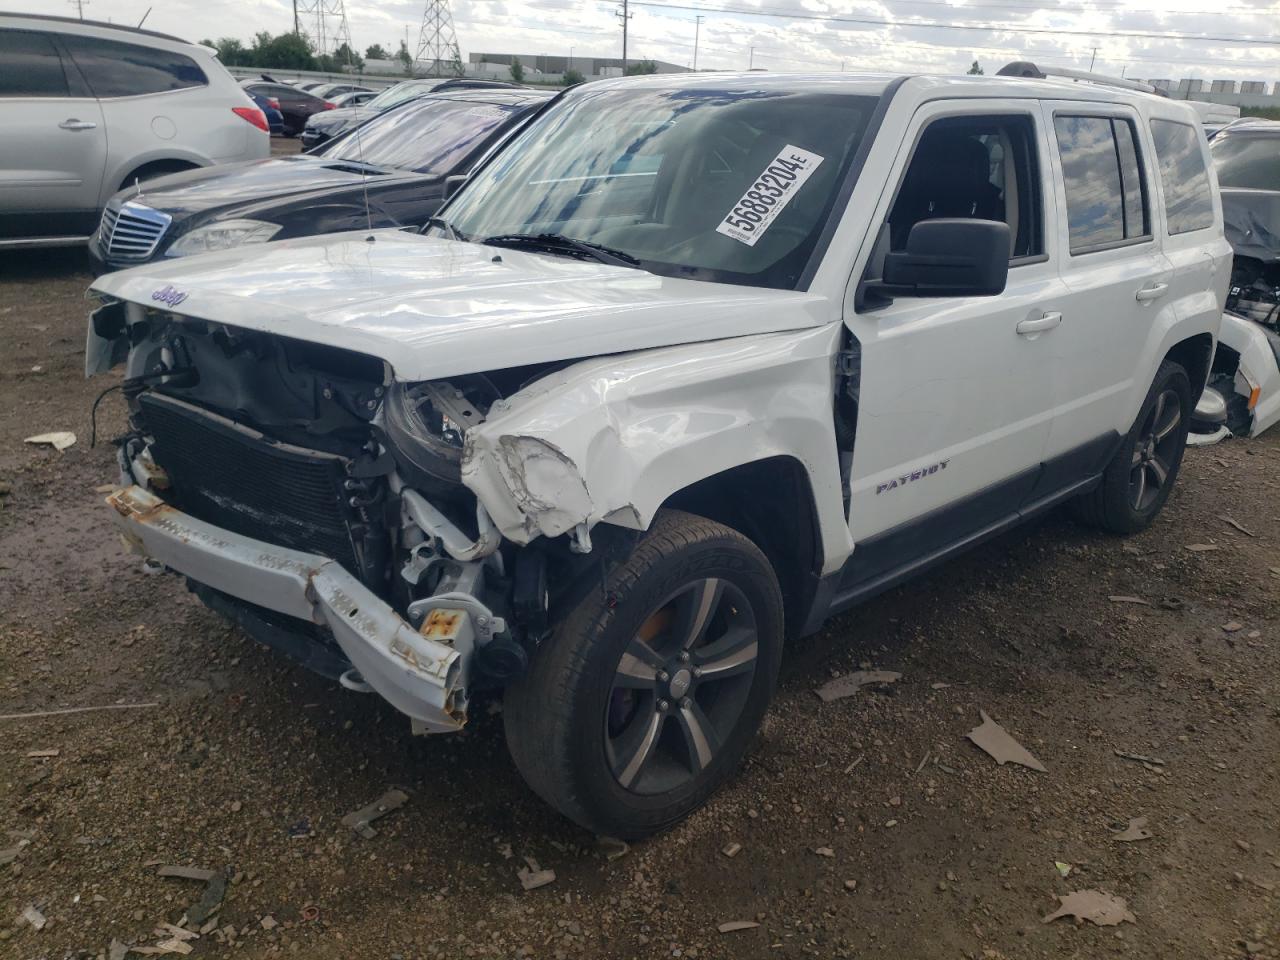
[
  {"x": 771, "y": 502},
  {"x": 1194, "y": 355}
]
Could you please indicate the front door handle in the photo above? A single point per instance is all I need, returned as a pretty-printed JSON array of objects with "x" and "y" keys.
[
  {"x": 1152, "y": 291},
  {"x": 1039, "y": 324},
  {"x": 74, "y": 124}
]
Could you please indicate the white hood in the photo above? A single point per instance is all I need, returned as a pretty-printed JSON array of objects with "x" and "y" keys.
[{"x": 432, "y": 307}]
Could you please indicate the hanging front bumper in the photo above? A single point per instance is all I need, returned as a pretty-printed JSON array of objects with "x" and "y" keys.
[{"x": 421, "y": 675}]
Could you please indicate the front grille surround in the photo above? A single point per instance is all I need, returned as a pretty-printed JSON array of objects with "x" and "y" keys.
[
  {"x": 238, "y": 479},
  {"x": 131, "y": 231}
]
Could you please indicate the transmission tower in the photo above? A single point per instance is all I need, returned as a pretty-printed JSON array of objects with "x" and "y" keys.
[
  {"x": 324, "y": 21},
  {"x": 437, "y": 44}
]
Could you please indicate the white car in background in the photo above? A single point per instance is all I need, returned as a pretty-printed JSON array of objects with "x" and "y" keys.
[{"x": 89, "y": 108}]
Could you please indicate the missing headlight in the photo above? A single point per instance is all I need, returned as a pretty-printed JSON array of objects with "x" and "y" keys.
[{"x": 426, "y": 424}]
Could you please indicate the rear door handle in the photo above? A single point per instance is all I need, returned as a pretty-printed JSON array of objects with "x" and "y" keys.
[
  {"x": 1152, "y": 291},
  {"x": 74, "y": 124},
  {"x": 1039, "y": 324}
]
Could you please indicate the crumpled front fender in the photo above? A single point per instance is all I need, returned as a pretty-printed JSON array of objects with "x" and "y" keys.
[{"x": 612, "y": 439}]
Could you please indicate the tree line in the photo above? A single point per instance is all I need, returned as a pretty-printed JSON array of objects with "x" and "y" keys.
[{"x": 295, "y": 51}]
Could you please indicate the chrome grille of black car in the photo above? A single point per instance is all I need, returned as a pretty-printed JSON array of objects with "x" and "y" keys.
[{"x": 131, "y": 231}]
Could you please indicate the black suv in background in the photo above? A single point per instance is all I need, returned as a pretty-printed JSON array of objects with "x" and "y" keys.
[{"x": 393, "y": 174}]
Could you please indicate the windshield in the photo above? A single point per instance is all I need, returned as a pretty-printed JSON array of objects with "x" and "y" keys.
[
  {"x": 426, "y": 136},
  {"x": 398, "y": 94},
  {"x": 726, "y": 185},
  {"x": 1247, "y": 161}
]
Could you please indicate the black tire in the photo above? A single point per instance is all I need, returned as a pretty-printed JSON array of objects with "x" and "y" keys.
[
  {"x": 1140, "y": 477},
  {"x": 572, "y": 722}
]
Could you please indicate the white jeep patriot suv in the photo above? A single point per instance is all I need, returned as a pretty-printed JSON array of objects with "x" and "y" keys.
[{"x": 690, "y": 365}]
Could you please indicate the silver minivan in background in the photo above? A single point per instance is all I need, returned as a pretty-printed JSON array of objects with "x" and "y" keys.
[{"x": 88, "y": 108}]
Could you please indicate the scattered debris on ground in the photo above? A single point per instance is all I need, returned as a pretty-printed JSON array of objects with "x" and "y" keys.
[
  {"x": 1097, "y": 907},
  {"x": 360, "y": 820},
  {"x": 1135, "y": 831},
  {"x": 532, "y": 876},
  {"x": 59, "y": 439},
  {"x": 1001, "y": 747},
  {"x": 851, "y": 683}
]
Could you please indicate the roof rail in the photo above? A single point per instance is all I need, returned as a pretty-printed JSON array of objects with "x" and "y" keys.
[{"x": 1025, "y": 68}]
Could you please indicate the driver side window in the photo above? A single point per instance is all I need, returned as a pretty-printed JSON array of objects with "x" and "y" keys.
[{"x": 974, "y": 167}]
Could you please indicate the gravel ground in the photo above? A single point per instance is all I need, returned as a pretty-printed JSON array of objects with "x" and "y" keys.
[{"x": 247, "y": 764}]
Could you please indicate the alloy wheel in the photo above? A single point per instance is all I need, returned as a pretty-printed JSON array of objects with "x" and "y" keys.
[
  {"x": 1155, "y": 451},
  {"x": 680, "y": 687}
]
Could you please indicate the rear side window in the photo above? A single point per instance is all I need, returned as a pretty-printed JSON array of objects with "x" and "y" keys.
[
  {"x": 30, "y": 66},
  {"x": 1188, "y": 201},
  {"x": 115, "y": 69},
  {"x": 1102, "y": 174}
]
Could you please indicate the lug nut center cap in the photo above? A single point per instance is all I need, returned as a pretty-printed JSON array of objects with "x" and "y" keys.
[{"x": 680, "y": 681}]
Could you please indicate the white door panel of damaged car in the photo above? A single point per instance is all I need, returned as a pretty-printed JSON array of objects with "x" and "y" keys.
[
  {"x": 953, "y": 397},
  {"x": 1113, "y": 265}
]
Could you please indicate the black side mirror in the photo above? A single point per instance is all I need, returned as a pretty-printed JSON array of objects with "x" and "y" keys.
[
  {"x": 950, "y": 258},
  {"x": 453, "y": 184}
]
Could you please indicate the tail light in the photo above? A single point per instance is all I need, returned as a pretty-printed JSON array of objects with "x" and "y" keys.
[
  {"x": 254, "y": 116},
  {"x": 330, "y": 106},
  {"x": 273, "y": 103}
]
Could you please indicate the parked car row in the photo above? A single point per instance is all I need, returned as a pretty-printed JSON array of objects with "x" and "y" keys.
[
  {"x": 88, "y": 109},
  {"x": 685, "y": 366},
  {"x": 321, "y": 127}
]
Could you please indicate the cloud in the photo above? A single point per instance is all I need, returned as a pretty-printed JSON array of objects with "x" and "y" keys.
[{"x": 735, "y": 40}]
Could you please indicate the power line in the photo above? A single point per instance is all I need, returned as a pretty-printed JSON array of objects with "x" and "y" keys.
[{"x": 935, "y": 25}]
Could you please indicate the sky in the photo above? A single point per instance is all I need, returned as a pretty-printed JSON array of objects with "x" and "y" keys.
[{"x": 786, "y": 34}]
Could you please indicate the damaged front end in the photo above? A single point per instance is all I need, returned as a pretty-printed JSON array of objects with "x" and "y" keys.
[{"x": 320, "y": 504}]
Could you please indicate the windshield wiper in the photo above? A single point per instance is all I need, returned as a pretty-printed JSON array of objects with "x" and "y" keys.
[
  {"x": 450, "y": 231},
  {"x": 558, "y": 241}
]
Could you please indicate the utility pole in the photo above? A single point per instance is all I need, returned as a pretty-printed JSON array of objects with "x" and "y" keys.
[
  {"x": 79, "y": 5},
  {"x": 1093, "y": 58},
  {"x": 697, "y": 27},
  {"x": 751, "y": 57},
  {"x": 624, "y": 16}
]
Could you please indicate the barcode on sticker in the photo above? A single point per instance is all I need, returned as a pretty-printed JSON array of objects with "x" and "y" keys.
[{"x": 769, "y": 195}]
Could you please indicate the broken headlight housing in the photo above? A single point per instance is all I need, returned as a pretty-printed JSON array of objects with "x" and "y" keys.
[{"x": 425, "y": 424}]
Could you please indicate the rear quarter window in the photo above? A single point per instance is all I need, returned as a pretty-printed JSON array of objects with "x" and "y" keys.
[
  {"x": 1188, "y": 201},
  {"x": 30, "y": 66},
  {"x": 115, "y": 69},
  {"x": 1102, "y": 174}
]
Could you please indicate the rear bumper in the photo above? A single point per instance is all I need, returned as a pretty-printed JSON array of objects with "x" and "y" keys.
[{"x": 421, "y": 677}]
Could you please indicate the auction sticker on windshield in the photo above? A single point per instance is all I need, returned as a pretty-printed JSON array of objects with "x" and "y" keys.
[{"x": 769, "y": 195}]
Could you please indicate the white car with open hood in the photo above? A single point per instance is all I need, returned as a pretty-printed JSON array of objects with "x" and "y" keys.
[{"x": 691, "y": 364}]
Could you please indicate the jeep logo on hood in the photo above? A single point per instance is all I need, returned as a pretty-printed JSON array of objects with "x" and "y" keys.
[{"x": 169, "y": 295}]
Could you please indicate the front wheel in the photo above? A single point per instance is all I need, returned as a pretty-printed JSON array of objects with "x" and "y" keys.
[
  {"x": 649, "y": 691},
  {"x": 1139, "y": 479}
]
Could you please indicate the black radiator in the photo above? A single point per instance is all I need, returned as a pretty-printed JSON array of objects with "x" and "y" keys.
[{"x": 237, "y": 479}]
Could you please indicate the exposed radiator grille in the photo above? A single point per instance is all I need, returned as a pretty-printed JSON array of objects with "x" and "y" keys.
[
  {"x": 235, "y": 478},
  {"x": 132, "y": 231}
]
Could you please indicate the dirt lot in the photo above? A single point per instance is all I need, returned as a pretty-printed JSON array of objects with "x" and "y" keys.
[{"x": 248, "y": 763}]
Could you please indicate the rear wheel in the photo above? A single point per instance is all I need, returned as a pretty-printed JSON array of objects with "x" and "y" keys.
[
  {"x": 1140, "y": 477},
  {"x": 647, "y": 695}
]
